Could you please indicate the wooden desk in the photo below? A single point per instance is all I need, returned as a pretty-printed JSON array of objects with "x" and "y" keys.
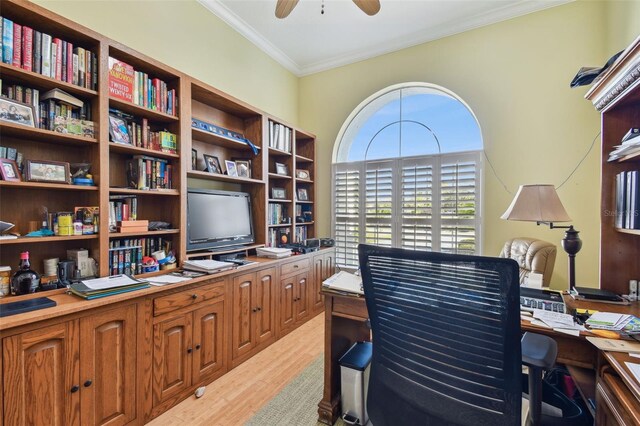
[{"x": 345, "y": 323}]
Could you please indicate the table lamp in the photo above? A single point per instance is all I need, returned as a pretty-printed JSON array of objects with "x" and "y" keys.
[{"x": 541, "y": 204}]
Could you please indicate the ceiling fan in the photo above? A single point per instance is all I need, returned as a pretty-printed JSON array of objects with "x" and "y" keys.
[{"x": 284, "y": 7}]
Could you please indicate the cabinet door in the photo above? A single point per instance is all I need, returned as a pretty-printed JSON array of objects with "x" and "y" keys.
[
  {"x": 108, "y": 367},
  {"x": 286, "y": 310},
  {"x": 242, "y": 323},
  {"x": 171, "y": 357},
  {"x": 42, "y": 376},
  {"x": 316, "y": 301},
  {"x": 265, "y": 304},
  {"x": 208, "y": 343},
  {"x": 301, "y": 306},
  {"x": 329, "y": 265}
]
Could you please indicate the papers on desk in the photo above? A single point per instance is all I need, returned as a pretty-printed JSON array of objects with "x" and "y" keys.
[
  {"x": 344, "y": 282},
  {"x": 161, "y": 280},
  {"x": 634, "y": 368},
  {"x": 614, "y": 345},
  {"x": 107, "y": 286},
  {"x": 562, "y": 323},
  {"x": 109, "y": 282},
  {"x": 609, "y": 321},
  {"x": 207, "y": 266},
  {"x": 273, "y": 252}
]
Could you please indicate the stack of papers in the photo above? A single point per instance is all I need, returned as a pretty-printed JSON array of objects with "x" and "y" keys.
[
  {"x": 562, "y": 323},
  {"x": 630, "y": 145},
  {"x": 614, "y": 345},
  {"x": 207, "y": 266},
  {"x": 107, "y": 286},
  {"x": 273, "y": 252},
  {"x": 344, "y": 283},
  {"x": 608, "y": 321},
  {"x": 161, "y": 280}
]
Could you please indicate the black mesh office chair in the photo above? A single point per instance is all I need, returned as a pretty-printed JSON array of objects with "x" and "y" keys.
[{"x": 446, "y": 339}]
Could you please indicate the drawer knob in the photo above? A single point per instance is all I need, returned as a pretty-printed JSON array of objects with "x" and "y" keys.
[
  {"x": 194, "y": 296},
  {"x": 75, "y": 388},
  {"x": 87, "y": 383},
  {"x": 255, "y": 309},
  {"x": 295, "y": 266},
  {"x": 197, "y": 347},
  {"x": 259, "y": 308},
  {"x": 189, "y": 350}
]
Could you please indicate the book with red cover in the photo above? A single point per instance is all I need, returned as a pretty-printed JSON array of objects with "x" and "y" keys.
[
  {"x": 58, "y": 47},
  {"x": 120, "y": 80},
  {"x": 27, "y": 48},
  {"x": 17, "y": 45},
  {"x": 69, "y": 62}
]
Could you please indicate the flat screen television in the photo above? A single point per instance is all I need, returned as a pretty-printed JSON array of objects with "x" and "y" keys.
[{"x": 218, "y": 219}]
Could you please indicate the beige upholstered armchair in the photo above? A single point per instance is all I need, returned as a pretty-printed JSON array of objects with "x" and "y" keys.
[{"x": 533, "y": 256}]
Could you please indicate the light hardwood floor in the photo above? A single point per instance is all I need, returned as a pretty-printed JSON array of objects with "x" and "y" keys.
[{"x": 235, "y": 397}]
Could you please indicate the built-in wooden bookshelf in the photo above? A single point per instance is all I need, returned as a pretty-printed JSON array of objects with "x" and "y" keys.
[{"x": 22, "y": 202}]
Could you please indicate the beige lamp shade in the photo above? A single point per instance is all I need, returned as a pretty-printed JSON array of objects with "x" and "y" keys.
[{"x": 536, "y": 203}]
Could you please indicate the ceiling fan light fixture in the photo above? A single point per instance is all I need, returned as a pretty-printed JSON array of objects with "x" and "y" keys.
[{"x": 284, "y": 7}]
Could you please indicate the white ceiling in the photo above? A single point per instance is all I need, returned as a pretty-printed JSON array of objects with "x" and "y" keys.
[{"x": 307, "y": 42}]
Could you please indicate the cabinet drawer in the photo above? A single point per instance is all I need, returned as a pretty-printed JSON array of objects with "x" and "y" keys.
[
  {"x": 294, "y": 267},
  {"x": 354, "y": 307},
  {"x": 166, "y": 304}
]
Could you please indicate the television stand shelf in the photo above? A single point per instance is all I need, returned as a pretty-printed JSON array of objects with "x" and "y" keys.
[{"x": 209, "y": 254}]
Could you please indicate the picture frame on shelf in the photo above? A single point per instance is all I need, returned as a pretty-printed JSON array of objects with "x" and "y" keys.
[
  {"x": 281, "y": 169},
  {"x": 9, "y": 170},
  {"x": 212, "y": 164},
  {"x": 118, "y": 130},
  {"x": 243, "y": 168},
  {"x": 278, "y": 193},
  {"x": 231, "y": 168},
  {"x": 47, "y": 171},
  {"x": 303, "y": 195},
  {"x": 303, "y": 174},
  {"x": 16, "y": 112},
  {"x": 194, "y": 159}
]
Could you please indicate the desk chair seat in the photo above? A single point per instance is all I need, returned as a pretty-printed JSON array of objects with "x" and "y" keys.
[{"x": 446, "y": 339}]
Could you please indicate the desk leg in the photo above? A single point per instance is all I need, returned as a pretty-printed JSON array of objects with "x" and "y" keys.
[{"x": 340, "y": 334}]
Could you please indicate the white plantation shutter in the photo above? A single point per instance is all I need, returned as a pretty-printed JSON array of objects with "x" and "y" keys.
[
  {"x": 420, "y": 203},
  {"x": 346, "y": 201},
  {"x": 379, "y": 208}
]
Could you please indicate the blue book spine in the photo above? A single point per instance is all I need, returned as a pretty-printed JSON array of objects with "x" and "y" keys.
[{"x": 7, "y": 41}]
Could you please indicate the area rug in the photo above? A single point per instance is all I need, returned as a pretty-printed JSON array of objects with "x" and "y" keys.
[{"x": 297, "y": 403}]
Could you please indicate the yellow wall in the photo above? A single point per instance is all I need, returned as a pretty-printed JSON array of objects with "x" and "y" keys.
[
  {"x": 623, "y": 24},
  {"x": 186, "y": 36},
  {"x": 515, "y": 76}
]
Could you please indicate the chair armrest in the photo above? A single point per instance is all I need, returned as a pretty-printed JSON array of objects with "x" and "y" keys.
[{"x": 538, "y": 350}]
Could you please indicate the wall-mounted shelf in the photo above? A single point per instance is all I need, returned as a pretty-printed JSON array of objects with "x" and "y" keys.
[
  {"x": 165, "y": 192},
  {"x": 43, "y": 135},
  {"x": 45, "y": 185},
  {"x": 143, "y": 233},
  {"x": 39, "y": 81},
  {"x": 629, "y": 231},
  {"x": 222, "y": 178},
  {"x": 134, "y": 150},
  {"x": 140, "y": 111},
  {"x": 52, "y": 239}
]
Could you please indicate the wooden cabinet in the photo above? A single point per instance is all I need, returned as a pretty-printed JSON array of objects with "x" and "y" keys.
[
  {"x": 293, "y": 302},
  {"x": 208, "y": 342},
  {"x": 253, "y": 324},
  {"x": 80, "y": 372},
  {"x": 171, "y": 354},
  {"x": 323, "y": 268}
]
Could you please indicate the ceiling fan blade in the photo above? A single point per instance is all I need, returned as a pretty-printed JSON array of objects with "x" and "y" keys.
[
  {"x": 370, "y": 7},
  {"x": 284, "y": 8}
]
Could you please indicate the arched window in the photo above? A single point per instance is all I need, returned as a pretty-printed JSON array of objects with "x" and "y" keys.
[{"x": 406, "y": 173}]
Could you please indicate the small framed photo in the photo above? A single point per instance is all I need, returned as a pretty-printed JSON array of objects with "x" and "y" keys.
[
  {"x": 47, "y": 171},
  {"x": 278, "y": 193},
  {"x": 9, "y": 170},
  {"x": 302, "y": 194},
  {"x": 303, "y": 174},
  {"x": 231, "y": 168},
  {"x": 194, "y": 159},
  {"x": 118, "y": 130},
  {"x": 243, "y": 168},
  {"x": 16, "y": 112},
  {"x": 212, "y": 164},
  {"x": 281, "y": 169}
]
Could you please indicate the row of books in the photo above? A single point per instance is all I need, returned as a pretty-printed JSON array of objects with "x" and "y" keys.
[
  {"x": 277, "y": 212},
  {"x": 130, "y": 85},
  {"x": 145, "y": 172},
  {"x": 300, "y": 234},
  {"x": 278, "y": 236},
  {"x": 32, "y": 50},
  {"x": 13, "y": 154},
  {"x": 126, "y": 129},
  {"x": 628, "y": 200},
  {"x": 126, "y": 254},
  {"x": 279, "y": 136},
  {"x": 122, "y": 207},
  {"x": 630, "y": 145}
]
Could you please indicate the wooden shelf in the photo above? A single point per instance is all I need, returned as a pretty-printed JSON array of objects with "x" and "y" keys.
[
  {"x": 277, "y": 176},
  {"x": 282, "y": 225},
  {"x": 43, "y": 185},
  {"x": 304, "y": 223},
  {"x": 224, "y": 178},
  {"x": 304, "y": 180},
  {"x": 302, "y": 159},
  {"x": 134, "y": 150},
  {"x": 223, "y": 251},
  {"x": 143, "y": 233},
  {"x": 43, "y": 135},
  {"x": 272, "y": 200},
  {"x": 585, "y": 380},
  {"x": 219, "y": 140},
  {"x": 304, "y": 202},
  {"x": 169, "y": 192},
  {"x": 277, "y": 152},
  {"x": 140, "y": 111},
  {"x": 630, "y": 157},
  {"x": 39, "y": 81},
  {"x": 53, "y": 239},
  {"x": 629, "y": 231}
]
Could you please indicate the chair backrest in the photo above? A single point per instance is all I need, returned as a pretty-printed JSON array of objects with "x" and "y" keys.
[
  {"x": 446, "y": 338},
  {"x": 532, "y": 256}
]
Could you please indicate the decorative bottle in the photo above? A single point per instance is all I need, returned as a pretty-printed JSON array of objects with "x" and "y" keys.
[{"x": 25, "y": 280}]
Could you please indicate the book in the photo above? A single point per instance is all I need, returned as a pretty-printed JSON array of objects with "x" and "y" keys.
[
  {"x": 81, "y": 65},
  {"x": 121, "y": 77},
  {"x": 7, "y": 41},
  {"x": 46, "y": 55},
  {"x": 27, "y": 48},
  {"x": 17, "y": 45},
  {"x": 37, "y": 51},
  {"x": 207, "y": 266},
  {"x": 62, "y": 96},
  {"x": 57, "y": 44}
]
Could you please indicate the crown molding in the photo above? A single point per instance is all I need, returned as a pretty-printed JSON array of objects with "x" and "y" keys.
[
  {"x": 444, "y": 30},
  {"x": 238, "y": 24}
]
